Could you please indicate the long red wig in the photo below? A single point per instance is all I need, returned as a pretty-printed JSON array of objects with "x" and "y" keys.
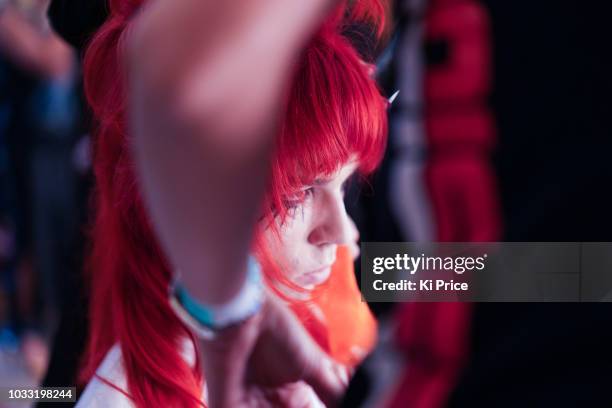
[{"x": 334, "y": 112}]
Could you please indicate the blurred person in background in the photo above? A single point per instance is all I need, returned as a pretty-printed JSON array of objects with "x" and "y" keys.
[
  {"x": 40, "y": 113},
  {"x": 76, "y": 21}
]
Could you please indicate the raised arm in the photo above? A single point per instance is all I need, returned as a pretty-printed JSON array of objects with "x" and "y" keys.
[{"x": 206, "y": 81}]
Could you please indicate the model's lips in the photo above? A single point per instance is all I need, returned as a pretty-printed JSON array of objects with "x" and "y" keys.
[
  {"x": 330, "y": 262},
  {"x": 316, "y": 276},
  {"x": 319, "y": 270},
  {"x": 322, "y": 268}
]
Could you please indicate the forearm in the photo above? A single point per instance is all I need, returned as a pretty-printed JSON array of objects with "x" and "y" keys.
[{"x": 206, "y": 82}]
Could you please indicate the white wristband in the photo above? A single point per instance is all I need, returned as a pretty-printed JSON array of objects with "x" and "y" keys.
[{"x": 205, "y": 320}]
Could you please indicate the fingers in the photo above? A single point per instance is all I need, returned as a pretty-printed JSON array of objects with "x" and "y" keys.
[
  {"x": 328, "y": 379},
  {"x": 296, "y": 395},
  {"x": 228, "y": 353},
  {"x": 271, "y": 356}
]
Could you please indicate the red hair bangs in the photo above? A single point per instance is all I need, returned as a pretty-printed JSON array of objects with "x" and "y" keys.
[{"x": 335, "y": 113}]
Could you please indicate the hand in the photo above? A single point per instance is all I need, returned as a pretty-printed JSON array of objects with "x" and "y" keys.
[{"x": 269, "y": 361}]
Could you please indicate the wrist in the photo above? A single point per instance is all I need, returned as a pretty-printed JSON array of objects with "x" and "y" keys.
[{"x": 206, "y": 320}]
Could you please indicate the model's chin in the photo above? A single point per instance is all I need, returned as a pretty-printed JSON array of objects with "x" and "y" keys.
[{"x": 311, "y": 279}]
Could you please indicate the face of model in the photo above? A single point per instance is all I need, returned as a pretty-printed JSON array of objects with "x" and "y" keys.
[{"x": 305, "y": 247}]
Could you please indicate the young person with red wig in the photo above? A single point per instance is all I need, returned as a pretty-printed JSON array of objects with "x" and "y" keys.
[{"x": 228, "y": 129}]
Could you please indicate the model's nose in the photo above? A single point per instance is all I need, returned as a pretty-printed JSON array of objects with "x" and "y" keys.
[{"x": 331, "y": 225}]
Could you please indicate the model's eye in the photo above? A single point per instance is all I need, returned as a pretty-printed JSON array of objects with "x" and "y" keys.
[
  {"x": 292, "y": 204},
  {"x": 298, "y": 199},
  {"x": 309, "y": 192}
]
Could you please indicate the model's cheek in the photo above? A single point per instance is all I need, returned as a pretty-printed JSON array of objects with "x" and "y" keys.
[
  {"x": 288, "y": 249},
  {"x": 295, "y": 232}
]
